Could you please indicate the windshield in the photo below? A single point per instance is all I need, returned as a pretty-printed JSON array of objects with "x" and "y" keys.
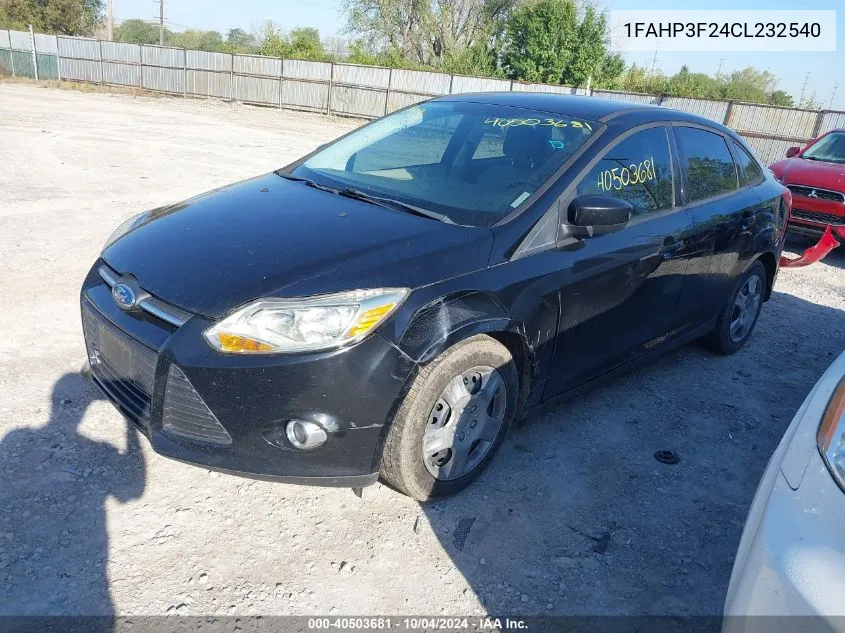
[
  {"x": 830, "y": 148},
  {"x": 472, "y": 163}
]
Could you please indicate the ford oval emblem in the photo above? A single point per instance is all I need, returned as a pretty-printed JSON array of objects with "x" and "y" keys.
[{"x": 123, "y": 296}]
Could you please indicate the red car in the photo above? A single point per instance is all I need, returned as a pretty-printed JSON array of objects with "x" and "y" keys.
[{"x": 816, "y": 177}]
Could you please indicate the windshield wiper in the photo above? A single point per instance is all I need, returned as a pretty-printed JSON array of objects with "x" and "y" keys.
[
  {"x": 356, "y": 194},
  {"x": 307, "y": 181},
  {"x": 396, "y": 205}
]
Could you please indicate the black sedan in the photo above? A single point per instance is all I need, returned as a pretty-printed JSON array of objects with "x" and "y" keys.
[{"x": 388, "y": 305}]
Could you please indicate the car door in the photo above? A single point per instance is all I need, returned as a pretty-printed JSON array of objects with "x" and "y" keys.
[
  {"x": 621, "y": 295},
  {"x": 723, "y": 215}
]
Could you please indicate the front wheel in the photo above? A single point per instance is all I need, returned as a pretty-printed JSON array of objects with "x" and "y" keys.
[
  {"x": 452, "y": 421},
  {"x": 740, "y": 314}
]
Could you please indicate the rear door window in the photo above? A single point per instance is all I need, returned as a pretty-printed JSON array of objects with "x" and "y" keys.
[
  {"x": 750, "y": 172},
  {"x": 711, "y": 170},
  {"x": 638, "y": 170}
]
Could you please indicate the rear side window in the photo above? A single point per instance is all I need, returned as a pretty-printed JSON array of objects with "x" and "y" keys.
[
  {"x": 710, "y": 168},
  {"x": 638, "y": 170},
  {"x": 750, "y": 172}
]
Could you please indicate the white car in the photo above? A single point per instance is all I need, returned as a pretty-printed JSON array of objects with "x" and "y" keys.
[{"x": 791, "y": 558}]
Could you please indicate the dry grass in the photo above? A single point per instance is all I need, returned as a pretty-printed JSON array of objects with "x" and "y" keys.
[{"x": 81, "y": 86}]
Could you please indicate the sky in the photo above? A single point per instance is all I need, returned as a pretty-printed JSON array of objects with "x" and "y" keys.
[{"x": 826, "y": 69}]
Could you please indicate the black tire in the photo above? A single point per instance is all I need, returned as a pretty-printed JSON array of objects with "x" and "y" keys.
[
  {"x": 720, "y": 339},
  {"x": 402, "y": 465}
]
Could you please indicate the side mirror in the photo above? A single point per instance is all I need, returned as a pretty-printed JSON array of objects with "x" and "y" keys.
[
  {"x": 792, "y": 151},
  {"x": 599, "y": 214}
]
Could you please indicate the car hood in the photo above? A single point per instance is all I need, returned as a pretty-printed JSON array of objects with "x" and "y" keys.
[
  {"x": 813, "y": 173},
  {"x": 273, "y": 237}
]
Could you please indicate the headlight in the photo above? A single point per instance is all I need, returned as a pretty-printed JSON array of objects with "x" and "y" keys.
[
  {"x": 831, "y": 436},
  {"x": 125, "y": 227},
  {"x": 269, "y": 326}
]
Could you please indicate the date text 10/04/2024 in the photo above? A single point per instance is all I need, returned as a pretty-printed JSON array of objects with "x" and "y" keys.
[{"x": 419, "y": 623}]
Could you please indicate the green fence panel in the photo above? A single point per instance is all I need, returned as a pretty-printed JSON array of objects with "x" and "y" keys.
[
  {"x": 22, "y": 61},
  {"x": 5, "y": 61},
  {"x": 48, "y": 66}
]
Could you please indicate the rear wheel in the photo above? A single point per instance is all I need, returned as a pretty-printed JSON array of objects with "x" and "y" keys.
[
  {"x": 740, "y": 314},
  {"x": 452, "y": 421}
]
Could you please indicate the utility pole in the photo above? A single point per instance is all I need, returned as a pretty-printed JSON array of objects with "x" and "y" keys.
[
  {"x": 833, "y": 94},
  {"x": 161, "y": 22},
  {"x": 804, "y": 88},
  {"x": 719, "y": 70},
  {"x": 111, "y": 21},
  {"x": 654, "y": 62}
]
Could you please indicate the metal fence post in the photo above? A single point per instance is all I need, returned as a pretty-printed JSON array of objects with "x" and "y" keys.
[
  {"x": 58, "y": 60},
  {"x": 818, "y": 124},
  {"x": 728, "y": 113},
  {"x": 185, "y": 73},
  {"x": 102, "y": 66},
  {"x": 11, "y": 54},
  {"x": 387, "y": 93},
  {"x": 451, "y": 79},
  {"x": 34, "y": 55},
  {"x": 281, "y": 83},
  {"x": 231, "y": 77},
  {"x": 329, "y": 96}
]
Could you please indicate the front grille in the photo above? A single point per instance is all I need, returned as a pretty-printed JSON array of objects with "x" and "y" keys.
[
  {"x": 122, "y": 367},
  {"x": 821, "y": 218},
  {"x": 819, "y": 194},
  {"x": 148, "y": 303},
  {"x": 186, "y": 414}
]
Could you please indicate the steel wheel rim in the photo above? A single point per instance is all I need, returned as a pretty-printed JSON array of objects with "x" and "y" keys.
[
  {"x": 464, "y": 422},
  {"x": 745, "y": 308}
]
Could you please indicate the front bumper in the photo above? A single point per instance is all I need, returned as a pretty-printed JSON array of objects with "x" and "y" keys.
[
  {"x": 792, "y": 557},
  {"x": 811, "y": 217},
  {"x": 352, "y": 393},
  {"x": 815, "y": 230}
]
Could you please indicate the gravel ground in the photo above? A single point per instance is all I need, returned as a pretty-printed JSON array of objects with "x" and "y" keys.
[{"x": 574, "y": 516}]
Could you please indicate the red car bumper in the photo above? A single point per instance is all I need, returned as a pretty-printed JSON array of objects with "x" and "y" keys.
[{"x": 811, "y": 216}]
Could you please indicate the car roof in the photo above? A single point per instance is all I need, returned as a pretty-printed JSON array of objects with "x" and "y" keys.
[{"x": 581, "y": 107}]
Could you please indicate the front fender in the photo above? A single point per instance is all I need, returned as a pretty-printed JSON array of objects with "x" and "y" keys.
[{"x": 442, "y": 323}]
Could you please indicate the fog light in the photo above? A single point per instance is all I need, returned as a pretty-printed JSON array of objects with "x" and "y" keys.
[{"x": 305, "y": 435}]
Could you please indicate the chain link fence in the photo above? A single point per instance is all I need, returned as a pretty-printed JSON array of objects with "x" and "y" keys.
[{"x": 348, "y": 89}]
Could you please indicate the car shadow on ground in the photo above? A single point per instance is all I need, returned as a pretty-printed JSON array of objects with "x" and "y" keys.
[
  {"x": 58, "y": 564},
  {"x": 563, "y": 521}
]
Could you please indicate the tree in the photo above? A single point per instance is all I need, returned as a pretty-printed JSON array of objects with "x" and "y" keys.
[
  {"x": 544, "y": 41},
  {"x": 304, "y": 43},
  {"x": 688, "y": 84},
  {"x": 239, "y": 41},
  {"x": 539, "y": 41},
  {"x": 781, "y": 98},
  {"x": 425, "y": 32},
  {"x": 69, "y": 17},
  {"x": 139, "y": 32},
  {"x": 197, "y": 40},
  {"x": 748, "y": 84},
  {"x": 300, "y": 43}
]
